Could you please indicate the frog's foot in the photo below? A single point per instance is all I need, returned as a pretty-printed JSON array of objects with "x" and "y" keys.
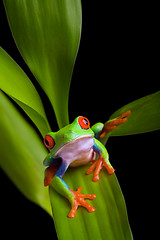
[
  {"x": 111, "y": 125},
  {"x": 97, "y": 165},
  {"x": 79, "y": 200},
  {"x": 49, "y": 173}
]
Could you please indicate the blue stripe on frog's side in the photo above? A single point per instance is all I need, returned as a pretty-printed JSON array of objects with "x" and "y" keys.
[
  {"x": 97, "y": 149},
  {"x": 62, "y": 169}
]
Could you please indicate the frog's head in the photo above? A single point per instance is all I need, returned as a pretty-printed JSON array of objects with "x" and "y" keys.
[{"x": 79, "y": 128}]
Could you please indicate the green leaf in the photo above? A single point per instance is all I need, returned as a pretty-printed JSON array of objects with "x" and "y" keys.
[
  {"x": 145, "y": 116},
  {"x": 15, "y": 83},
  {"x": 22, "y": 154},
  {"x": 47, "y": 34},
  {"x": 109, "y": 221}
]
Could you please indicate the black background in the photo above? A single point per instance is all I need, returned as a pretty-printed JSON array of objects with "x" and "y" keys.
[{"x": 117, "y": 62}]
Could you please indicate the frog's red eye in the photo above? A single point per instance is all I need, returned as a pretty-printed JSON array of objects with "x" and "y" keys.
[
  {"x": 84, "y": 122},
  {"x": 49, "y": 141}
]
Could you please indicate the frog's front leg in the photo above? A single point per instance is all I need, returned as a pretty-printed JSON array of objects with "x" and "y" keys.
[
  {"x": 76, "y": 198},
  {"x": 103, "y": 160},
  {"x": 114, "y": 123}
]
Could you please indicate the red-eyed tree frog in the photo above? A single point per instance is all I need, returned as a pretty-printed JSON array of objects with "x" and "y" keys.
[{"x": 74, "y": 145}]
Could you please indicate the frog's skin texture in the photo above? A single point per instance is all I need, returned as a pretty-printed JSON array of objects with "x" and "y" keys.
[{"x": 74, "y": 145}]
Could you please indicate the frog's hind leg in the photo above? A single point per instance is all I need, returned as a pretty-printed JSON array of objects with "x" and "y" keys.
[
  {"x": 79, "y": 200},
  {"x": 76, "y": 198}
]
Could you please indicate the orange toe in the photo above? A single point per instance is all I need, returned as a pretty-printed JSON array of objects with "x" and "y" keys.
[
  {"x": 97, "y": 165},
  {"x": 49, "y": 173},
  {"x": 111, "y": 125},
  {"x": 79, "y": 200}
]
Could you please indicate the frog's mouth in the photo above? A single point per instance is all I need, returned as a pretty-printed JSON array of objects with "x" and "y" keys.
[{"x": 80, "y": 137}]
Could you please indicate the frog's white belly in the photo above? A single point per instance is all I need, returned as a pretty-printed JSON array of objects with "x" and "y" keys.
[{"x": 77, "y": 152}]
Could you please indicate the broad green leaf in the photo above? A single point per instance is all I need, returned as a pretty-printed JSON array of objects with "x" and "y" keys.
[
  {"x": 145, "y": 116},
  {"x": 22, "y": 154},
  {"x": 109, "y": 221},
  {"x": 15, "y": 83},
  {"x": 47, "y": 34}
]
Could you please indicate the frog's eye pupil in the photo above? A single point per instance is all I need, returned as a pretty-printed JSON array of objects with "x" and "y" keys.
[
  {"x": 49, "y": 141},
  {"x": 46, "y": 142},
  {"x": 84, "y": 122}
]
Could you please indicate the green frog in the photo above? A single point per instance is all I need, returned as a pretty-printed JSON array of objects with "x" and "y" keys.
[{"x": 74, "y": 145}]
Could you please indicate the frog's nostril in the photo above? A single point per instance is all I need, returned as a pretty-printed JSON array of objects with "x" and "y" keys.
[{"x": 70, "y": 132}]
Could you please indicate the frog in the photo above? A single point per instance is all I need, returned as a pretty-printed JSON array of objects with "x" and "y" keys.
[{"x": 74, "y": 145}]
